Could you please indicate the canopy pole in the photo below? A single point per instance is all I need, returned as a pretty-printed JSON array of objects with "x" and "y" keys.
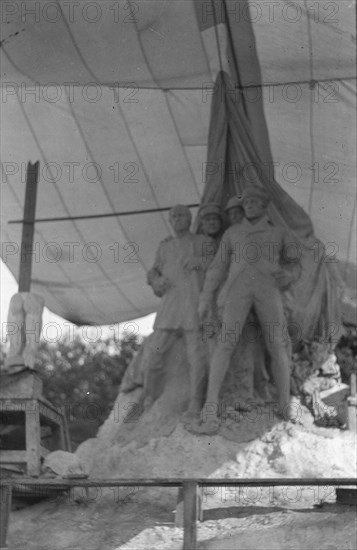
[
  {"x": 99, "y": 216},
  {"x": 28, "y": 227}
]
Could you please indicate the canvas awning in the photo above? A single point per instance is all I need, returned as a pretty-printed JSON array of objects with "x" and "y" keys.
[{"x": 114, "y": 98}]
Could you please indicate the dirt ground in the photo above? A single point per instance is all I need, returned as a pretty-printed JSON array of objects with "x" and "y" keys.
[
  {"x": 144, "y": 520},
  {"x": 159, "y": 446}
]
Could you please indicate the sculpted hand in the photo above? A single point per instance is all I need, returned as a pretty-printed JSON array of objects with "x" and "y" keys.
[
  {"x": 158, "y": 283},
  {"x": 193, "y": 263},
  {"x": 283, "y": 279}
]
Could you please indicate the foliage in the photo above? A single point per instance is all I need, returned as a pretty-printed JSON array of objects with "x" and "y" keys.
[
  {"x": 77, "y": 373},
  {"x": 84, "y": 378}
]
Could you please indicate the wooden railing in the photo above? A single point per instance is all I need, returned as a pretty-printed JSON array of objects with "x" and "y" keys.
[{"x": 189, "y": 487}]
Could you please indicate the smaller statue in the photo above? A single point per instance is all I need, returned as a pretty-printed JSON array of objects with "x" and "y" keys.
[{"x": 24, "y": 326}]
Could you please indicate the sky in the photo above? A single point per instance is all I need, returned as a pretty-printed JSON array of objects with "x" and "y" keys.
[{"x": 54, "y": 327}]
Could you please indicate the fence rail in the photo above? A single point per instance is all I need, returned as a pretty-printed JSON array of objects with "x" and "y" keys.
[{"x": 189, "y": 487}]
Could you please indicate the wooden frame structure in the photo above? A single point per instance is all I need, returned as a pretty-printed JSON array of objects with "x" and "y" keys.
[{"x": 36, "y": 413}]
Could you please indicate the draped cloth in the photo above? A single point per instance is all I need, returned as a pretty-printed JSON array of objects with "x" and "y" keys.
[{"x": 312, "y": 302}]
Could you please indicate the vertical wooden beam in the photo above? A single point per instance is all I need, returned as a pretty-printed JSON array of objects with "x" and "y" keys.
[
  {"x": 189, "y": 515},
  {"x": 5, "y": 508},
  {"x": 352, "y": 405},
  {"x": 28, "y": 227},
  {"x": 66, "y": 435},
  {"x": 33, "y": 437},
  {"x": 179, "y": 507}
]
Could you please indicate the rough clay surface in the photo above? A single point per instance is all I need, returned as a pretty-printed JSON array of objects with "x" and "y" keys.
[{"x": 156, "y": 444}]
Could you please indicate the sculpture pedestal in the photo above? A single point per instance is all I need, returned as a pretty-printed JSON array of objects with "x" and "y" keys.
[
  {"x": 23, "y": 384},
  {"x": 30, "y": 426},
  {"x": 15, "y": 363}
]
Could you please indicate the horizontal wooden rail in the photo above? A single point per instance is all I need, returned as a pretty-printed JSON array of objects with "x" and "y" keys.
[
  {"x": 189, "y": 487},
  {"x": 177, "y": 482}
]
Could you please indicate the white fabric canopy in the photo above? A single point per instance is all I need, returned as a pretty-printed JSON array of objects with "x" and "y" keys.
[{"x": 113, "y": 99}]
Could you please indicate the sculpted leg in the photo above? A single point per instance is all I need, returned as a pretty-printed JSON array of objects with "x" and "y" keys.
[
  {"x": 243, "y": 359},
  {"x": 261, "y": 377},
  {"x": 198, "y": 365},
  {"x": 234, "y": 316},
  {"x": 269, "y": 308},
  {"x": 160, "y": 342},
  {"x": 134, "y": 375}
]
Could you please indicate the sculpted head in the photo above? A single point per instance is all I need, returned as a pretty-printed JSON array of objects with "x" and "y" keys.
[
  {"x": 255, "y": 201},
  {"x": 235, "y": 210},
  {"x": 180, "y": 218},
  {"x": 211, "y": 217}
]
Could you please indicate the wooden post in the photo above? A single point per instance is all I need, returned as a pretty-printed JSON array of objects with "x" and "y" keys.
[
  {"x": 33, "y": 437},
  {"x": 352, "y": 405},
  {"x": 28, "y": 227},
  {"x": 189, "y": 515},
  {"x": 67, "y": 439},
  {"x": 179, "y": 507},
  {"x": 5, "y": 508}
]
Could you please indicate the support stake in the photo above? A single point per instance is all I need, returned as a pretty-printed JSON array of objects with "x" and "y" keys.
[
  {"x": 5, "y": 508},
  {"x": 352, "y": 405},
  {"x": 28, "y": 227}
]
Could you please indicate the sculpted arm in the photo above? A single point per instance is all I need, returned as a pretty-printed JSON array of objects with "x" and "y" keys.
[
  {"x": 289, "y": 261},
  {"x": 204, "y": 253},
  {"x": 215, "y": 276},
  {"x": 154, "y": 277}
]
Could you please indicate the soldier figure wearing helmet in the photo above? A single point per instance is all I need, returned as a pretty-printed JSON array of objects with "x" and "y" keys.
[
  {"x": 248, "y": 264},
  {"x": 248, "y": 357},
  {"x": 234, "y": 210},
  {"x": 211, "y": 218}
]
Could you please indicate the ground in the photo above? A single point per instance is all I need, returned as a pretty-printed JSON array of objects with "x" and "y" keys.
[
  {"x": 138, "y": 519},
  {"x": 146, "y": 521}
]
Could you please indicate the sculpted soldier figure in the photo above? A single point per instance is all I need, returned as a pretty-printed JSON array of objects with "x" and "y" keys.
[
  {"x": 211, "y": 217},
  {"x": 177, "y": 276},
  {"x": 249, "y": 261},
  {"x": 249, "y": 354},
  {"x": 248, "y": 357},
  {"x": 211, "y": 220}
]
